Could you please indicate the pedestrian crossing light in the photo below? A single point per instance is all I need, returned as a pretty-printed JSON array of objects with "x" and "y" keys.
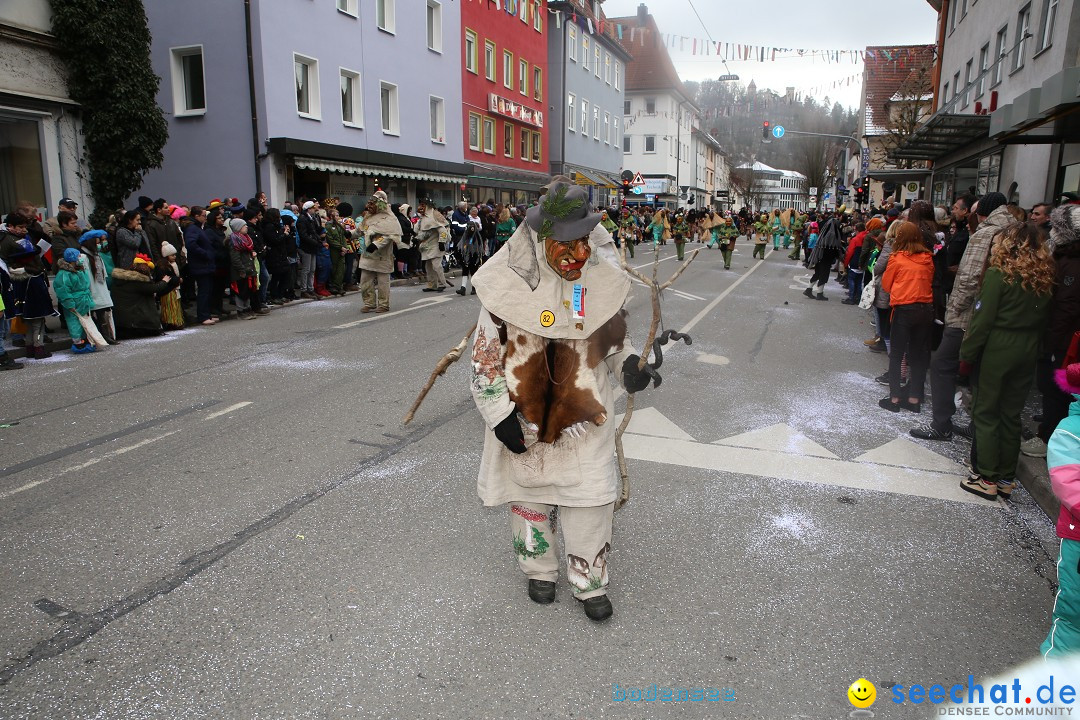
[{"x": 766, "y": 128}]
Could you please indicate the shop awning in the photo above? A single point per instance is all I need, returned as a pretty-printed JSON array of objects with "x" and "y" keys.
[
  {"x": 589, "y": 177},
  {"x": 612, "y": 182},
  {"x": 347, "y": 168},
  {"x": 484, "y": 174},
  {"x": 898, "y": 175},
  {"x": 942, "y": 134}
]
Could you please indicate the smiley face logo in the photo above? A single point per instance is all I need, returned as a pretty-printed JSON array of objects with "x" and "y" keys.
[
  {"x": 547, "y": 318},
  {"x": 862, "y": 693}
]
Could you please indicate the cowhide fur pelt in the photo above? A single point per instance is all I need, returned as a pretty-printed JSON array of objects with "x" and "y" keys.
[{"x": 553, "y": 382}]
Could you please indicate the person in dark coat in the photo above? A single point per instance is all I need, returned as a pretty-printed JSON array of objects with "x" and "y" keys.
[
  {"x": 130, "y": 240},
  {"x": 67, "y": 235},
  {"x": 277, "y": 260},
  {"x": 1063, "y": 324},
  {"x": 135, "y": 294},
  {"x": 216, "y": 233},
  {"x": 201, "y": 264},
  {"x": 32, "y": 301},
  {"x": 311, "y": 244},
  {"x": 825, "y": 253}
]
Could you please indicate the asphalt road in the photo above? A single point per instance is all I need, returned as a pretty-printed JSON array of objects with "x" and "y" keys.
[{"x": 232, "y": 522}]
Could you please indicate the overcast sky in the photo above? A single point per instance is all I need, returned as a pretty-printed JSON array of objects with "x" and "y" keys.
[{"x": 806, "y": 24}]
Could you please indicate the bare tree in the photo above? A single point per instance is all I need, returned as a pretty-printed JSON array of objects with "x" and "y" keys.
[{"x": 905, "y": 112}]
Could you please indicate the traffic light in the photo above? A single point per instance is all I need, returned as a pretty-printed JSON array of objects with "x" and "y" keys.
[
  {"x": 766, "y": 128},
  {"x": 626, "y": 186},
  {"x": 860, "y": 194}
]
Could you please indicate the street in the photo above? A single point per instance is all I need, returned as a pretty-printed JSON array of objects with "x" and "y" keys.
[{"x": 233, "y": 522}]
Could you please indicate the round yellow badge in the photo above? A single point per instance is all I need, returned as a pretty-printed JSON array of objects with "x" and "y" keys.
[
  {"x": 862, "y": 693},
  {"x": 547, "y": 318}
]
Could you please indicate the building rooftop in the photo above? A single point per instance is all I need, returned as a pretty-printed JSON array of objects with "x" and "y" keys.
[{"x": 651, "y": 68}]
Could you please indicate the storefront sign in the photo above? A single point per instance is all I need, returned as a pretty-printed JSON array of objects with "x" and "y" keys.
[
  {"x": 511, "y": 109},
  {"x": 659, "y": 186}
]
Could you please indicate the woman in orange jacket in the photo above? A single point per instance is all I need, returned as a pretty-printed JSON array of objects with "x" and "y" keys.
[{"x": 908, "y": 279}]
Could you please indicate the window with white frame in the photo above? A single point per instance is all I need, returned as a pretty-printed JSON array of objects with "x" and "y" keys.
[
  {"x": 1046, "y": 32},
  {"x": 538, "y": 84},
  {"x": 508, "y": 69},
  {"x": 434, "y": 25},
  {"x": 347, "y": 6},
  {"x": 596, "y": 59},
  {"x": 585, "y": 51},
  {"x": 351, "y": 98},
  {"x": 626, "y": 107},
  {"x": 1001, "y": 49},
  {"x": 437, "y": 112},
  {"x": 626, "y": 144},
  {"x": 615, "y": 130},
  {"x": 508, "y": 139},
  {"x": 607, "y": 68},
  {"x": 474, "y": 131},
  {"x": 956, "y": 83},
  {"x": 470, "y": 51},
  {"x": 306, "y": 77},
  {"x": 607, "y": 128},
  {"x": 571, "y": 41},
  {"x": 523, "y": 77},
  {"x": 489, "y": 136},
  {"x": 538, "y": 18},
  {"x": 984, "y": 65},
  {"x": 1023, "y": 26},
  {"x": 384, "y": 15},
  {"x": 571, "y": 113},
  {"x": 618, "y": 75},
  {"x": 536, "y": 151},
  {"x": 524, "y": 144},
  {"x": 188, "y": 81},
  {"x": 489, "y": 60},
  {"x": 388, "y": 100},
  {"x": 584, "y": 116},
  {"x": 596, "y": 123},
  {"x": 945, "y": 95},
  {"x": 650, "y": 106},
  {"x": 650, "y": 143}
]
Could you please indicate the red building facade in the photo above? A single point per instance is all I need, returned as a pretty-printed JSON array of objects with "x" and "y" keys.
[{"x": 504, "y": 98}]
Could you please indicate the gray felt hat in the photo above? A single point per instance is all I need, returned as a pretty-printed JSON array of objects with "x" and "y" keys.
[{"x": 563, "y": 214}]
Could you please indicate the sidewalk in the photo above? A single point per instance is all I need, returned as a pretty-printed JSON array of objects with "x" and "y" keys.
[
  {"x": 61, "y": 341},
  {"x": 1033, "y": 474}
]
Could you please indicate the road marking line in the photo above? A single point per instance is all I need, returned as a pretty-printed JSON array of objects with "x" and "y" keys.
[
  {"x": 711, "y": 306},
  {"x": 686, "y": 295},
  {"x": 88, "y": 463},
  {"x": 227, "y": 410},
  {"x": 649, "y": 264},
  {"x": 380, "y": 316}
]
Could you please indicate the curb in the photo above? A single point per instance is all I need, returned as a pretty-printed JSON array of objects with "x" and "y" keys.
[
  {"x": 1034, "y": 476},
  {"x": 58, "y": 345}
]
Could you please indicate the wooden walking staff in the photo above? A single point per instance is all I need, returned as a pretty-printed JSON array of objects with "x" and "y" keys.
[
  {"x": 447, "y": 360},
  {"x": 650, "y": 340}
]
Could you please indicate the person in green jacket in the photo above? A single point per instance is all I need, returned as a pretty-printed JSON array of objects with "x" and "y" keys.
[
  {"x": 797, "y": 222},
  {"x": 761, "y": 235},
  {"x": 337, "y": 237},
  {"x": 504, "y": 229},
  {"x": 728, "y": 233},
  {"x": 72, "y": 287},
  {"x": 628, "y": 230},
  {"x": 1003, "y": 340}
]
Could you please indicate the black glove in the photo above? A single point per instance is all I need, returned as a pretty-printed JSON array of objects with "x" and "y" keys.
[
  {"x": 371, "y": 247},
  {"x": 442, "y": 247},
  {"x": 509, "y": 433},
  {"x": 635, "y": 380}
]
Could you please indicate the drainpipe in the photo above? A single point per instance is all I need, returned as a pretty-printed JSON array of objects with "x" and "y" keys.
[
  {"x": 60, "y": 152},
  {"x": 251, "y": 96},
  {"x": 565, "y": 90},
  {"x": 936, "y": 75}
]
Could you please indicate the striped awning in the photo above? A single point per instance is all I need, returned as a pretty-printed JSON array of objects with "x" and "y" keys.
[
  {"x": 591, "y": 177},
  {"x": 348, "y": 168}
]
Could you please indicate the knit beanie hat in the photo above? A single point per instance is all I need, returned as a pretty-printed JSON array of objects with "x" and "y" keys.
[
  {"x": 874, "y": 224},
  {"x": 144, "y": 201},
  {"x": 167, "y": 250},
  {"x": 71, "y": 255},
  {"x": 236, "y": 225},
  {"x": 1064, "y": 225},
  {"x": 990, "y": 202}
]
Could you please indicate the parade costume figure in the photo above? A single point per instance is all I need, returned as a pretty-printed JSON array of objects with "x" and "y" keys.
[
  {"x": 826, "y": 252},
  {"x": 728, "y": 233},
  {"x": 1063, "y": 460},
  {"x": 797, "y": 223},
  {"x": 432, "y": 234},
  {"x": 97, "y": 262},
  {"x": 551, "y": 334},
  {"x": 761, "y": 236},
  {"x": 681, "y": 230},
  {"x": 660, "y": 228},
  {"x": 382, "y": 232},
  {"x": 628, "y": 230},
  {"x": 776, "y": 227}
]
